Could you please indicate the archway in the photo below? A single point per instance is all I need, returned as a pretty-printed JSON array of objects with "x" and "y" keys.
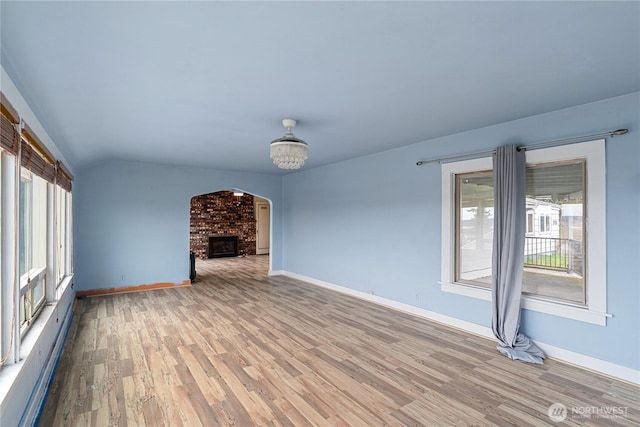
[{"x": 230, "y": 223}]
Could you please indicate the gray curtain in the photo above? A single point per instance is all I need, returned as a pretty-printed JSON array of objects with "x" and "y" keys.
[{"x": 508, "y": 254}]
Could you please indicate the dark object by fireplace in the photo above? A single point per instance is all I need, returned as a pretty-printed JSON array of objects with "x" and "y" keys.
[
  {"x": 221, "y": 246},
  {"x": 192, "y": 266}
]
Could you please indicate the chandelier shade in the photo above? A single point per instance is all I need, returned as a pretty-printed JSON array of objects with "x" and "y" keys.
[{"x": 288, "y": 152}]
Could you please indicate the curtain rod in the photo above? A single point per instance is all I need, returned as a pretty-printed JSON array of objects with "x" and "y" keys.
[{"x": 535, "y": 146}]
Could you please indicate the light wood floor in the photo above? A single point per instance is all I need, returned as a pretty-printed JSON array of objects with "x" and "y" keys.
[{"x": 241, "y": 348}]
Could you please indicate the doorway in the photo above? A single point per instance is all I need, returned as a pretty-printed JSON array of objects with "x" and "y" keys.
[
  {"x": 263, "y": 228},
  {"x": 226, "y": 216}
]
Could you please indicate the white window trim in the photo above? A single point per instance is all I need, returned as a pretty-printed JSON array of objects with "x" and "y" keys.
[
  {"x": 28, "y": 282},
  {"x": 30, "y": 277},
  {"x": 61, "y": 220},
  {"x": 596, "y": 266}
]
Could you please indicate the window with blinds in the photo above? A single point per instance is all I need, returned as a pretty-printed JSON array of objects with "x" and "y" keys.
[{"x": 35, "y": 219}]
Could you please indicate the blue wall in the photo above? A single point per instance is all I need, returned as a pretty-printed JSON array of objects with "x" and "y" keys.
[
  {"x": 132, "y": 220},
  {"x": 373, "y": 224}
]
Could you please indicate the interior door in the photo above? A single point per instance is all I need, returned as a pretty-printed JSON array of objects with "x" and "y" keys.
[{"x": 263, "y": 215}]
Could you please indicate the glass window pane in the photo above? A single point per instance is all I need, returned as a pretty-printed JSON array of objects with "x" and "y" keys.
[
  {"x": 24, "y": 233},
  {"x": 39, "y": 223},
  {"x": 38, "y": 293},
  {"x": 32, "y": 233},
  {"x": 554, "y": 253},
  {"x": 23, "y": 308},
  {"x": 474, "y": 227},
  {"x": 61, "y": 234}
]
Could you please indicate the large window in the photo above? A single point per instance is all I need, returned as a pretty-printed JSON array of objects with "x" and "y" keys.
[
  {"x": 32, "y": 253},
  {"x": 35, "y": 235},
  {"x": 563, "y": 273}
]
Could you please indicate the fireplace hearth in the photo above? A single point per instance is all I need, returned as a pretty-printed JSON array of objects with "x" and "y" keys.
[{"x": 223, "y": 246}]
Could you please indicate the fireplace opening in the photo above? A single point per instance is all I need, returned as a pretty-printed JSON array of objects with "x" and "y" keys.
[{"x": 223, "y": 246}]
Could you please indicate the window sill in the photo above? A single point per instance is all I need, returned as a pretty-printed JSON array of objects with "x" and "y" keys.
[
  {"x": 582, "y": 314},
  {"x": 9, "y": 374},
  {"x": 62, "y": 285},
  {"x": 39, "y": 351}
]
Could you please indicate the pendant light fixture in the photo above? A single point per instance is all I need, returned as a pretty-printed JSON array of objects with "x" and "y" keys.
[{"x": 288, "y": 152}]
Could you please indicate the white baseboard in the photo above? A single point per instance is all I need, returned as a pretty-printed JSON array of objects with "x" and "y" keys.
[{"x": 587, "y": 362}]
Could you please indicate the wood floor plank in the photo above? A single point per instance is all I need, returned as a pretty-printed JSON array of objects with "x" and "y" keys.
[{"x": 241, "y": 348}]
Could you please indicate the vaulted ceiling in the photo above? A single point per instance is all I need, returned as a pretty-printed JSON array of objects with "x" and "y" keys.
[{"x": 207, "y": 83}]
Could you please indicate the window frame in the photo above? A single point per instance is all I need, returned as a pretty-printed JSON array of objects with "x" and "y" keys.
[
  {"x": 61, "y": 236},
  {"x": 458, "y": 227},
  {"x": 29, "y": 307},
  {"x": 530, "y": 224},
  {"x": 595, "y": 309},
  {"x": 36, "y": 238},
  {"x": 27, "y": 295},
  {"x": 36, "y": 292}
]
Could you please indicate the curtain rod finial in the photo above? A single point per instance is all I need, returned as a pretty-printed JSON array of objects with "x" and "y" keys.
[{"x": 619, "y": 132}]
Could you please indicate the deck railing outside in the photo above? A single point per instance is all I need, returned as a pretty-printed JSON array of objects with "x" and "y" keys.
[{"x": 553, "y": 253}]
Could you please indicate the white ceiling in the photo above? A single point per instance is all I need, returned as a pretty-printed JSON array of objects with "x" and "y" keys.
[{"x": 207, "y": 83}]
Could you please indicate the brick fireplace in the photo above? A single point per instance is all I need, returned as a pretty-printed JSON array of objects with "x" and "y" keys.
[
  {"x": 222, "y": 214},
  {"x": 222, "y": 246}
]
